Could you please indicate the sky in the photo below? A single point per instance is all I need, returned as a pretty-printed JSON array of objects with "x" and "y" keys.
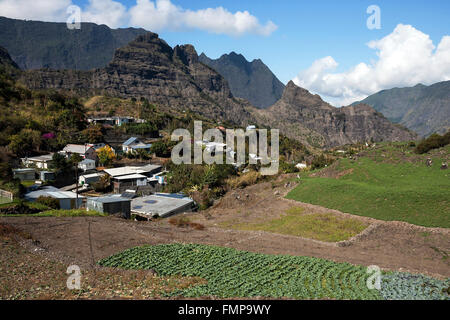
[{"x": 324, "y": 46}]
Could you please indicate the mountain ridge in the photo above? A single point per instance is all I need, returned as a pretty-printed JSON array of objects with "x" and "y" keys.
[
  {"x": 252, "y": 81},
  {"x": 424, "y": 109},
  {"x": 37, "y": 44}
]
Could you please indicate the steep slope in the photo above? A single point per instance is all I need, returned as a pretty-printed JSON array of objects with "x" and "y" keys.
[
  {"x": 423, "y": 109},
  {"x": 148, "y": 67},
  {"x": 252, "y": 81},
  {"x": 35, "y": 44},
  {"x": 307, "y": 118},
  {"x": 7, "y": 64}
]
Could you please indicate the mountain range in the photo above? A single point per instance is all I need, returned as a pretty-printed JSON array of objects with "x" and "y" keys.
[
  {"x": 36, "y": 45},
  {"x": 423, "y": 109},
  {"x": 177, "y": 81},
  {"x": 252, "y": 81}
]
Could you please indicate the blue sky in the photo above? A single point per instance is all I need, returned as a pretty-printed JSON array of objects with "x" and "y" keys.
[
  {"x": 308, "y": 30},
  {"x": 318, "y": 44}
]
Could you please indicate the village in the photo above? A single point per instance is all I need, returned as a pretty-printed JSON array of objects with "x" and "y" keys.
[
  {"x": 129, "y": 190},
  {"x": 133, "y": 189}
]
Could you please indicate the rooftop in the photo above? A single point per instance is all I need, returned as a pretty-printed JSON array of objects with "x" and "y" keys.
[
  {"x": 123, "y": 171},
  {"x": 131, "y": 176},
  {"x": 52, "y": 192},
  {"x": 110, "y": 198},
  {"x": 46, "y": 157},
  {"x": 76, "y": 148},
  {"x": 159, "y": 204}
]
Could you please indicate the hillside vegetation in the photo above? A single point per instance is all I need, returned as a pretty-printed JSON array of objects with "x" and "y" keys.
[{"x": 389, "y": 182}]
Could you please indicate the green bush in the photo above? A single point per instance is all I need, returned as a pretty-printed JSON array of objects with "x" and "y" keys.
[
  {"x": 434, "y": 141},
  {"x": 49, "y": 202}
]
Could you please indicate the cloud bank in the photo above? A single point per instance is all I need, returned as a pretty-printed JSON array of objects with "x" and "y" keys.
[
  {"x": 406, "y": 57},
  {"x": 154, "y": 15}
]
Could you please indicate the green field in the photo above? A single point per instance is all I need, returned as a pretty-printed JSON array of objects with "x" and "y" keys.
[
  {"x": 319, "y": 226},
  {"x": 389, "y": 183},
  {"x": 233, "y": 273}
]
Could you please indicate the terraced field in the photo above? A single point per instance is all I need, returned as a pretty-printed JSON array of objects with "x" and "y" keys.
[{"x": 232, "y": 273}]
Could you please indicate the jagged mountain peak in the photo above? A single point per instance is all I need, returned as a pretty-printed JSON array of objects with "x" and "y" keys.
[
  {"x": 252, "y": 81},
  {"x": 298, "y": 96}
]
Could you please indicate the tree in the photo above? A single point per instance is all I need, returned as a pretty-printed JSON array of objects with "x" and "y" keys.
[
  {"x": 161, "y": 149},
  {"x": 106, "y": 155},
  {"x": 93, "y": 134},
  {"x": 25, "y": 142},
  {"x": 75, "y": 159},
  {"x": 59, "y": 162}
]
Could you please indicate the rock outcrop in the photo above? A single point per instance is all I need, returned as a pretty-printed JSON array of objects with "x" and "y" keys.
[
  {"x": 252, "y": 81},
  {"x": 148, "y": 67},
  {"x": 307, "y": 118}
]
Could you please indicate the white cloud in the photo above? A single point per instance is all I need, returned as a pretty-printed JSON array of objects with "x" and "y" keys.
[
  {"x": 163, "y": 14},
  {"x": 112, "y": 13},
  {"x": 406, "y": 57},
  {"x": 154, "y": 15},
  {"x": 45, "y": 10}
]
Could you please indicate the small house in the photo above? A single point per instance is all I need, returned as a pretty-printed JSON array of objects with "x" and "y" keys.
[
  {"x": 111, "y": 204},
  {"x": 87, "y": 164},
  {"x": 131, "y": 181},
  {"x": 89, "y": 178},
  {"x": 40, "y": 162},
  {"x": 85, "y": 151},
  {"x": 25, "y": 174},
  {"x": 133, "y": 144},
  {"x": 67, "y": 200},
  {"x": 47, "y": 176}
]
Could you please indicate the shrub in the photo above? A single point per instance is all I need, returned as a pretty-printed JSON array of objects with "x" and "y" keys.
[
  {"x": 433, "y": 142},
  {"x": 49, "y": 202},
  {"x": 246, "y": 179}
]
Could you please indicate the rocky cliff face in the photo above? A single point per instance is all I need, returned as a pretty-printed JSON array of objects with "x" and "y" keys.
[
  {"x": 36, "y": 44},
  {"x": 252, "y": 81},
  {"x": 148, "y": 67},
  {"x": 424, "y": 109},
  {"x": 306, "y": 117}
]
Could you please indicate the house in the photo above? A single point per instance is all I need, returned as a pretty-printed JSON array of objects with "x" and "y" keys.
[
  {"x": 90, "y": 178},
  {"x": 130, "y": 181},
  {"x": 67, "y": 199},
  {"x": 131, "y": 177},
  {"x": 40, "y": 162},
  {"x": 47, "y": 175},
  {"x": 251, "y": 127},
  {"x": 161, "y": 205},
  {"x": 133, "y": 144},
  {"x": 26, "y": 174},
  {"x": 114, "y": 121},
  {"x": 85, "y": 151},
  {"x": 87, "y": 164},
  {"x": 111, "y": 204}
]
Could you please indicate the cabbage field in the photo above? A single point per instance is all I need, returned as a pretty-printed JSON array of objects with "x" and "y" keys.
[{"x": 234, "y": 273}]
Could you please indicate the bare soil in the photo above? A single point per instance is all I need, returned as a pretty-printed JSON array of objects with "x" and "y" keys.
[{"x": 85, "y": 240}]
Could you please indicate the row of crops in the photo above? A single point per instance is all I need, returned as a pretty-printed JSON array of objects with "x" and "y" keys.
[{"x": 233, "y": 273}]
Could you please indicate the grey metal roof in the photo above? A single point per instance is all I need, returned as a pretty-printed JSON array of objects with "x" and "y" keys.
[
  {"x": 158, "y": 204},
  {"x": 110, "y": 199},
  {"x": 130, "y": 141}
]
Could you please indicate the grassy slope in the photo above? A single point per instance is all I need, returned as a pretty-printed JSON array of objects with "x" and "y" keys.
[
  {"x": 318, "y": 226},
  {"x": 388, "y": 183}
]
